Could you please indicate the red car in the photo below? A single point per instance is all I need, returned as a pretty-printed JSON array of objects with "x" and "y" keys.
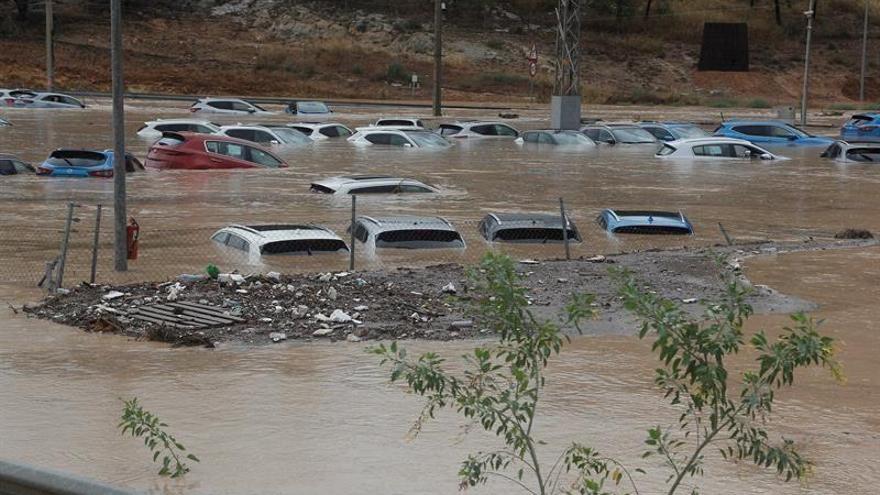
[{"x": 191, "y": 151}]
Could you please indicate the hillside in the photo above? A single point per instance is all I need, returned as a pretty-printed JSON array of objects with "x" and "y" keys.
[{"x": 369, "y": 48}]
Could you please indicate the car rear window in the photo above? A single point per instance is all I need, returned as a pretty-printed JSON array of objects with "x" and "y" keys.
[
  {"x": 653, "y": 230},
  {"x": 533, "y": 234},
  {"x": 396, "y": 122},
  {"x": 304, "y": 246},
  {"x": 863, "y": 154},
  {"x": 420, "y": 239},
  {"x": 171, "y": 141},
  {"x": 74, "y": 158},
  {"x": 322, "y": 189},
  {"x": 666, "y": 150}
]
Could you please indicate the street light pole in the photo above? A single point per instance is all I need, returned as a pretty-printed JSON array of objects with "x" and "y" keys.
[
  {"x": 50, "y": 47},
  {"x": 438, "y": 55},
  {"x": 806, "y": 88},
  {"x": 118, "y": 83},
  {"x": 864, "y": 55}
]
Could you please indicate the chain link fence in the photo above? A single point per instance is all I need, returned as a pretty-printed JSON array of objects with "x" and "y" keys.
[{"x": 171, "y": 246}]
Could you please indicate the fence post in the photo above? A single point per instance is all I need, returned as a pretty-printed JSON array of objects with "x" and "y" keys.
[
  {"x": 95, "y": 245},
  {"x": 65, "y": 240},
  {"x": 564, "y": 228},
  {"x": 352, "y": 228},
  {"x": 724, "y": 233}
]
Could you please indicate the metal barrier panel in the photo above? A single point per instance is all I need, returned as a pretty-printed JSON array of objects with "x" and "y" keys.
[{"x": 21, "y": 479}]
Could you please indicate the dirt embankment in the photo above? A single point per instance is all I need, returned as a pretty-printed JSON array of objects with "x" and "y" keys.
[{"x": 430, "y": 303}]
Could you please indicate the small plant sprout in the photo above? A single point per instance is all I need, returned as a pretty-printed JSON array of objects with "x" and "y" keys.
[{"x": 144, "y": 424}]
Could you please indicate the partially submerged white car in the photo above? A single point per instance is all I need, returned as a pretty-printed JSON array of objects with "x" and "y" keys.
[
  {"x": 406, "y": 137},
  {"x": 843, "y": 151},
  {"x": 478, "y": 129},
  {"x": 370, "y": 184},
  {"x": 232, "y": 106},
  {"x": 555, "y": 138},
  {"x": 714, "y": 148},
  {"x": 257, "y": 240},
  {"x": 154, "y": 128},
  {"x": 399, "y": 122},
  {"x": 266, "y": 134},
  {"x": 322, "y": 130},
  {"x": 25, "y": 98}
]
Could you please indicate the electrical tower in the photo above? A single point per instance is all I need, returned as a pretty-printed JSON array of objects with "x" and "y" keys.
[{"x": 565, "y": 106}]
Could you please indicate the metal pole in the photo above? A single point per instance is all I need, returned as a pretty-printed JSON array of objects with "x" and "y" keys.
[
  {"x": 50, "y": 46},
  {"x": 95, "y": 244},
  {"x": 564, "y": 228},
  {"x": 351, "y": 247},
  {"x": 725, "y": 234},
  {"x": 65, "y": 240},
  {"x": 806, "y": 88},
  {"x": 864, "y": 55},
  {"x": 438, "y": 55},
  {"x": 119, "y": 207}
]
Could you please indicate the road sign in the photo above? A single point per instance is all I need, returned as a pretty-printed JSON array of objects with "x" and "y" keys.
[
  {"x": 533, "y": 60},
  {"x": 533, "y": 69}
]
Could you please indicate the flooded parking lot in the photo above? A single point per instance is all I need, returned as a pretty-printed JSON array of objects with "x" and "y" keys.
[{"x": 320, "y": 418}]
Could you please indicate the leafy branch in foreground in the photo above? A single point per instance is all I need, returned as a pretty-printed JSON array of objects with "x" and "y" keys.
[
  {"x": 694, "y": 375},
  {"x": 500, "y": 388},
  {"x": 144, "y": 424}
]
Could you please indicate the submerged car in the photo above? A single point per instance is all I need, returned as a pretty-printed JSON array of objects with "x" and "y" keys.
[
  {"x": 259, "y": 240},
  {"x": 674, "y": 131},
  {"x": 84, "y": 163},
  {"x": 233, "y": 106},
  {"x": 478, "y": 129},
  {"x": 770, "y": 132},
  {"x": 266, "y": 135},
  {"x": 39, "y": 99},
  {"x": 399, "y": 122},
  {"x": 861, "y": 127},
  {"x": 843, "y": 151},
  {"x": 370, "y": 184},
  {"x": 189, "y": 151},
  {"x": 319, "y": 130},
  {"x": 644, "y": 222},
  {"x": 406, "y": 137},
  {"x": 714, "y": 148},
  {"x": 154, "y": 128},
  {"x": 527, "y": 228},
  {"x": 555, "y": 138},
  {"x": 407, "y": 232},
  {"x": 4, "y": 122},
  {"x": 614, "y": 134},
  {"x": 12, "y": 165},
  {"x": 308, "y": 108}
]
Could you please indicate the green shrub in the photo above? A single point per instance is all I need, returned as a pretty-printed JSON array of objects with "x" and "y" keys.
[
  {"x": 759, "y": 103},
  {"x": 396, "y": 72}
]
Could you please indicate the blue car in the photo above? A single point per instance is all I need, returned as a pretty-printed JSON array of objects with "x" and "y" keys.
[
  {"x": 84, "y": 163},
  {"x": 644, "y": 222},
  {"x": 770, "y": 132},
  {"x": 673, "y": 131},
  {"x": 861, "y": 128}
]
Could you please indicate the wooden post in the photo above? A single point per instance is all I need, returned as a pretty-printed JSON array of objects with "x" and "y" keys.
[
  {"x": 564, "y": 228},
  {"x": 95, "y": 245},
  {"x": 119, "y": 199},
  {"x": 65, "y": 241},
  {"x": 351, "y": 246}
]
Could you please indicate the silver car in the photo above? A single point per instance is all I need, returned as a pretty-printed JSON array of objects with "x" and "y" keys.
[
  {"x": 232, "y": 106},
  {"x": 34, "y": 99}
]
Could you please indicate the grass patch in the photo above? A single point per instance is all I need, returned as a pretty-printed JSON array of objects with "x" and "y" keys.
[
  {"x": 842, "y": 106},
  {"x": 396, "y": 72},
  {"x": 759, "y": 103},
  {"x": 722, "y": 102},
  {"x": 495, "y": 44}
]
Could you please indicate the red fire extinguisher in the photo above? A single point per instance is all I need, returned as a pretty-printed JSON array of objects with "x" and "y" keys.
[{"x": 132, "y": 233}]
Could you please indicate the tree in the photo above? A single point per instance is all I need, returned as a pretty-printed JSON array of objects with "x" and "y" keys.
[{"x": 500, "y": 390}]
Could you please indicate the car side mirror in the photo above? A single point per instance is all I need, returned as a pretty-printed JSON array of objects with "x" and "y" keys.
[
  {"x": 274, "y": 141},
  {"x": 407, "y": 145},
  {"x": 766, "y": 156},
  {"x": 792, "y": 138},
  {"x": 252, "y": 110}
]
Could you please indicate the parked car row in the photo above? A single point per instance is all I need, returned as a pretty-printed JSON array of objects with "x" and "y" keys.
[{"x": 426, "y": 232}]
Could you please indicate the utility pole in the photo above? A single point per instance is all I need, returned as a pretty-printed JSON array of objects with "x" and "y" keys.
[
  {"x": 438, "y": 55},
  {"x": 50, "y": 47},
  {"x": 119, "y": 207},
  {"x": 810, "y": 14},
  {"x": 565, "y": 104},
  {"x": 864, "y": 55}
]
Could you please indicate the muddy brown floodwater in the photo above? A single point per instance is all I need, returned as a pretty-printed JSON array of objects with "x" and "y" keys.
[{"x": 321, "y": 418}]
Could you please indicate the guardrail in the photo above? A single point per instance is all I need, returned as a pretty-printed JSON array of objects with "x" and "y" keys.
[{"x": 21, "y": 479}]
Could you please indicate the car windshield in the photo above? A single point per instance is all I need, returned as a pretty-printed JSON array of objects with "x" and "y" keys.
[
  {"x": 419, "y": 239},
  {"x": 534, "y": 234},
  {"x": 311, "y": 107},
  {"x": 871, "y": 155},
  {"x": 304, "y": 246},
  {"x": 291, "y": 136},
  {"x": 76, "y": 158},
  {"x": 428, "y": 139},
  {"x": 632, "y": 135},
  {"x": 688, "y": 131},
  {"x": 571, "y": 138}
]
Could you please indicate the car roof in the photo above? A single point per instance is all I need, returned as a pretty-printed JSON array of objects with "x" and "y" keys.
[
  {"x": 512, "y": 220},
  {"x": 341, "y": 180},
  {"x": 856, "y": 144},
  {"x": 554, "y": 131},
  {"x": 405, "y": 222},
  {"x": 757, "y": 122},
  {"x": 179, "y": 121},
  {"x": 263, "y": 234},
  {"x": 709, "y": 140},
  {"x": 313, "y": 125},
  {"x": 621, "y": 215},
  {"x": 195, "y": 136},
  {"x": 870, "y": 115},
  {"x": 211, "y": 98}
]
